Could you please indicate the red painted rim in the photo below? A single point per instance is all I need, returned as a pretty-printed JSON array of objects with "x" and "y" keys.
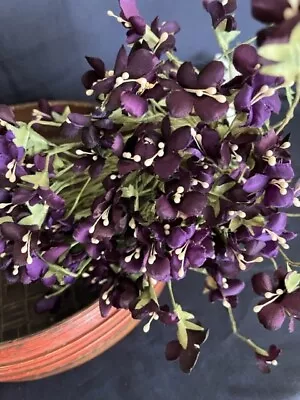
[{"x": 65, "y": 345}]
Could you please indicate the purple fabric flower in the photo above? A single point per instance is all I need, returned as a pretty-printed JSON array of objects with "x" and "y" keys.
[
  {"x": 264, "y": 362},
  {"x": 187, "y": 357},
  {"x": 273, "y": 11},
  {"x": 152, "y": 308},
  {"x": 125, "y": 86},
  {"x": 220, "y": 12},
  {"x": 11, "y": 158},
  {"x": 258, "y": 99},
  {"x": 281, "y": 14},
  {"x": 274, "y": 184},
  {"x": 278, "y": 303},
  {"x": 197, "y": 91},
  {"x": 222, "y": 288},
  {"x": 132, "y": 20},
  {"x": 7, "y": 114}
]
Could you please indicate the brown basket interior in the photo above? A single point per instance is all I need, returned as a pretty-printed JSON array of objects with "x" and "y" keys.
[{"x": 17, "y": 302}]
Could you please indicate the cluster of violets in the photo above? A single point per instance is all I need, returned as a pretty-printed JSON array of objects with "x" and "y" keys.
[{"x": 177, "y": 170}]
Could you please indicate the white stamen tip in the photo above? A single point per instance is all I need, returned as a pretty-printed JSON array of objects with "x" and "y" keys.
[
  {"x": 286, "y": 145},
  {"x": 272, "y": 161},
  {"x": 126, "y": 155},
  {"x": 269, "y": 295},
  {"x": 180, "y": 189},
  {"x": 296, "y": 202},
  {"x": 164, "y": 37},
  {"x": 137, "y": 158},
  {"x": 193, "y": 132}
]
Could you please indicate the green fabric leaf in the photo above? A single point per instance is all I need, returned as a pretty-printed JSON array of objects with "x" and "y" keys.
[
  {"x": 225, "y": 38},
  {"x": 186, "y": 315},
  {"x": 292, "y": 281},
  {"x": 220, "y": 190},
  {"x": 58, "y": 163},
  {"x": 7, "y": 218},
  {"x": 259, "y": 220},
  {"x": 215, "y": 204},
  {"x": 192, "y": 326},
  {"x": 37, "y": 217},
  {"x": 39, "y": 179},
  {"x": 128, "y": 191},
  {"x": 61, "y": 117},
  {"x": 29, "y": 139},
  {"x": 286, "y": 56},
  {"x": 235, "y": 223},
  {"x": 21, "y": 135},
  {"x": 289, "y": 95},
  {"x": 182, "y": 335}
]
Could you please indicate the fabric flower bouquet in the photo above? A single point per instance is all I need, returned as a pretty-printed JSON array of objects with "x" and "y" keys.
[{"x": 176, "y": 171}]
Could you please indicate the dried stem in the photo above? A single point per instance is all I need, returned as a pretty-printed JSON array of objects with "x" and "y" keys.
[
  {"x": 248, "y": 341},
  {"x": 291, "y": 111},
  {"x": 171, "y": 295}
]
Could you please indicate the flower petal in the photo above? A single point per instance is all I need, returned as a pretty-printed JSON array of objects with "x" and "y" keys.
[
  {"x": 160, "y": 269},
  {"x": 277, "y": 222},
  {"x": 187, "y": 76},
  {"x": 281, "y": 171},
  {"x": 211, "y": 75},
  {"x": 177, "y": 238},
  {"x": 193, "y": 204},
  {"x": 121, "y": 61},
  {"x": 269, "y": 11},
  {"x": 129, "y": 8},
  {"x": 181, "y": 139},
  {"x": 272, "y": 316},
  {"x": 140, "y": 63},
  {"x": 98, "y": 65},
  {"x": 53, "y": 254},
  {"x": 134, "y": 104},
  {"x": 256, "y": 183},
  {"x": 245, "y": 59},
  {"x": 7, "y": 114},
  {"x": 179, "y": 103},
  {"x": 291, "y": 302},
  {"x": 242, "y": 100},
  {"x": 164, "y": 208},
  {"x": 235, "y": 287},
  {"x": 209, "y": 109},
  {"x": 88, "y": 78},
  {"x": 262, "y": 283},
  {"x": 196, "y": 255},
  {"x": 173, "y": 350},
  {"x": 36, "y": 269},
  {"x": 167, "y": 165},
  {"x": 96, "y": 168},
  {"x": 273, "y": 197}
]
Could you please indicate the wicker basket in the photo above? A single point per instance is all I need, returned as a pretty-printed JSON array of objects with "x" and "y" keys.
[{"x": 38, "y": 345}]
